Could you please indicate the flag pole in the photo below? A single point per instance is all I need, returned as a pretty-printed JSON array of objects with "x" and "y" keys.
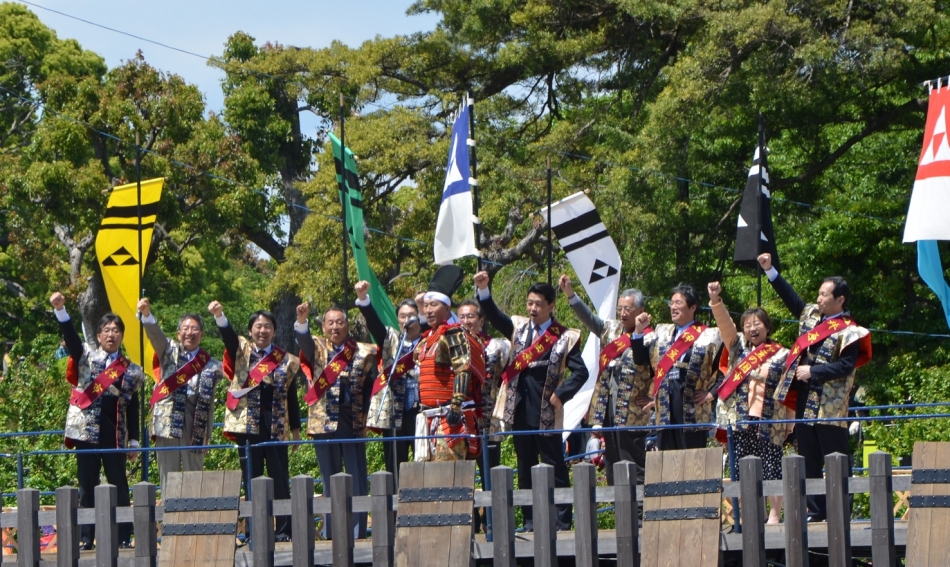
[
  {"x": 550, "y": 238},
  {"x": 138, "y": 212},
  {"x": 344, "y": 195},
  {"x": 473, "y": 165},
  {"x": 758, "y": 214}
]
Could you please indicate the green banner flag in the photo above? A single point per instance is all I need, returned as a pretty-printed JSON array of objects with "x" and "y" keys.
[{"x": 354, "y": 226}]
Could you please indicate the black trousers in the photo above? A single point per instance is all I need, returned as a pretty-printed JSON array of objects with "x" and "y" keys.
[
  {"x": 87, "y": 470},
  {"x": 399, "y": 454},
  {"x": 333, "y": 457},
  {"x": 625, "y": 446},
  {"x": 528, "y": 449},
  {"x": 814, "y": 442},
  {"x": 675, "y": 439},
  {"x": 277, "y": 460}
]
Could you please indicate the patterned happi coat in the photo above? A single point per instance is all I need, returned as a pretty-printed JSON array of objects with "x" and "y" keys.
[
  {"x": 83, "y": 424},
  {"x": 631, "y": 382},
  {"x": 496, "y": 356},
  {"x": 324, "y": 415},
  {"x": 386, "y": 408},
  {"x": 701, "y": 372},
  {"x": 829, "y": 398},
  {"x": 735, "y": 408},
  {"x": 245, "y": 419},
  {"x": 168, "y": 414},
  {"x": 555, "y": 363}
]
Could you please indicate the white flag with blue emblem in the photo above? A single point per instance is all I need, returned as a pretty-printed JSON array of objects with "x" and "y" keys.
[{"x": 455, "y": 229}]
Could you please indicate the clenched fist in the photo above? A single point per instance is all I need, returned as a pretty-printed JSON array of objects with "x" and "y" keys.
[
  {"x": 642, "y": 322},
  {"x": 481, "y": 279},
  {"x": 216, "y": 308},
  {"x": 303, "y": 311},
  {"x": 57, "y": 300},
  {"x": 765, "y": 260}
]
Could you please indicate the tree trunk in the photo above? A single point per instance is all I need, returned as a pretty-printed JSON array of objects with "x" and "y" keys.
[{"x": 93, "y": 304}]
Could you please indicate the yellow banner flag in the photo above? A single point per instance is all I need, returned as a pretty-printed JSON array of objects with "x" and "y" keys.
[{"x": 117, "y": 249}]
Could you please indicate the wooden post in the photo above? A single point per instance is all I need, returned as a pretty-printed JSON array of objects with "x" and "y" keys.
[
  {"x": 107, "y": 530},
  {"x": 796, "y": 527},
  {"x": 146, "y": 530},
  {"x": 544, "y": 516},
  {"x": 627, "y": 516},
  {"x": 585, "y": 515},
  {"x": 67, "y": 528},
  {"x": 503, "y": 517},
  {"x": 301, "y": 521},
  {"x": 882, "y": 510},
  {"x": 262, "y": 521},
  {"x": 753, "y": 512},
  {"x": 384, "y": 519},
  {"x": 837, "y": 469},
  {"x": 341, "y": 519},
  {"x": 28, "y": 527}
]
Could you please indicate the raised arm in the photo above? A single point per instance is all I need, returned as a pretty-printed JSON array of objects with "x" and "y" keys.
[
  {"x": 727, "y": 327},
  {"x": 302, "y": 335},
  {"x": 66, "y": 330},
  {"x": 790, "y": 298},
  {"x": 641, "y": 355},
  {"x": 590, "y": 319},
  {"x": 377, "y": 329},
  {"x": 228, "y": 336},
  {"x": 496, "y": 318},
  {"x": 152, "y": 330}
]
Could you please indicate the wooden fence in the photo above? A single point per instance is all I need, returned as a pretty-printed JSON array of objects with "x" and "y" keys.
[{"x": 883, "y": 537}]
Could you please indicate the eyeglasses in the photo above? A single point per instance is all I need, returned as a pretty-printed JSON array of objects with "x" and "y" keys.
[
  {"x": 625, "y": 309},
  {"x": 110, "y": 331},
  {"x": 189, "y": 329},
  {"x": 467, "y": 316}
]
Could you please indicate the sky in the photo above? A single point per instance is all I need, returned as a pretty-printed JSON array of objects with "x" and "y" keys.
[{"x": 203, "y": 26}]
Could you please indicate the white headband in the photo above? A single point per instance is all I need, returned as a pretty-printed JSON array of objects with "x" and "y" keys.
[{"x": 438, "y": 296}]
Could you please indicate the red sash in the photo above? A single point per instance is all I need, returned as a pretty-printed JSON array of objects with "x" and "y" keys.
[
  {"x": 180, "y": 377},
  {"x": 676, "y": 350},
  {"x": 106, "y": 378},
  {"x": 821, "y": 332},
  {"x": 751, "y": 362},
  {"x": 537, "y": 349},
  {"x": 619, "y": 346},
  {"x": 406, "y": 363},
  {"x": 256, "y": 375},
  {"x": 330, "y": 372}
]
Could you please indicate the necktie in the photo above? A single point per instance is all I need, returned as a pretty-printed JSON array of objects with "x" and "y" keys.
[{"x": 530, "y": 338}]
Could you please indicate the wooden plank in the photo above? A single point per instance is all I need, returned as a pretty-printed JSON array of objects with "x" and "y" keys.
[
  {"x": 796, "y": 527},
  {"x": 172, "y": 489},
  {"x": 341, "y": 519},
  {"x": 544, "y": 515},
  {"x": 753, "y": 512},
  {"x": 691, "y": 531},
  {"x": 712, "y": 530},
  {"x": 411, "y": 475},
  {"x": 301, "y": 496},
  {"x": 882, "y": 512},
  {"x": 625, "y": 509},
  {"x": 460, "y": 549},
  {"x": 211, "y": 485},
  {"x": 67, "y": 529},
  {"x": 503, "y": 517},
  {"x": 919, "y": 524},
  {"x": 837, "y": 470},
  {"x": 650, "y": 554},
  {"x": 585, "y": 515},
  {"x": 435, "y": 543},
  {"x": 146, "y": 530},
  {"x": 107, "y": 530},
  {"x": 225, "y": 545},
  {"x": 384, "y": 525},
  {"x": 28, "y": 526},
  {"x": 939, "y": 547},
  {"x": 672, "y": 530},
  {"x": 186, "y": 546},
  {"x": 262, "y": 521}
]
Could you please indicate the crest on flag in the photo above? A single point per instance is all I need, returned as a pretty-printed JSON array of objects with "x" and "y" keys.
[
  {"x": 930, "y": 199},
  {"x": 596, "y": 260},
  {"x": 455, "y": 229},
  {"x": 754, "y": 231}
]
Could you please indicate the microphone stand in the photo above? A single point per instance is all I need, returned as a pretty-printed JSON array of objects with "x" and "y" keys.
[{"x": 392, "y": 414}]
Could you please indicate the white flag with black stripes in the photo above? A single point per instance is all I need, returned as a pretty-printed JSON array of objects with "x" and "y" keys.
[{"x": 596, "y": 261}]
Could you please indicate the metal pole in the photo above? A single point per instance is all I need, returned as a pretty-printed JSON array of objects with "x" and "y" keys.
[
  {"x": 758, "y": 212},
  {"x": 19, "y": 471},
  {"x": 734, "y": 475},
  {"x": 550, "y": 238},
  {"x": 473, "y": 163},
  {"x": 247, "y": 491},
  {"x": 138, "y": 212},
  {"x": 344, "y": 195}
]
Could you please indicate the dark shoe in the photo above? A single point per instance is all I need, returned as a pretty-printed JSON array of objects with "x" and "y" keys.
[
  {"x": 125, "y": 545},
  {"x": 814, "y": 518},
  {"x": 281, "y": 538},
  {"x": 86, "y": 546}
]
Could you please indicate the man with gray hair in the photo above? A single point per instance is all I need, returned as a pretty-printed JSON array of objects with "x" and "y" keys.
[
  {"x": 621, "y": 395},
  {"x": 183, "y": 398}
]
